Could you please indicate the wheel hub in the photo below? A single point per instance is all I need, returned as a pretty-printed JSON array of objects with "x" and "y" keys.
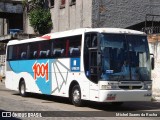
[
  {"x": 22, "y": 89},
  {"x": 76, "y": 96}
]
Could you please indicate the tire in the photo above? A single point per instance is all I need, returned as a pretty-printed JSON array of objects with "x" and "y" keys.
[
  {"x": 76, "y": 96},
  {"x": 22, "y": 89}
]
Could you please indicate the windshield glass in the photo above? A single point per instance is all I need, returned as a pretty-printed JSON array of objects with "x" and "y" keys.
[{"x": 125, "y": 57}]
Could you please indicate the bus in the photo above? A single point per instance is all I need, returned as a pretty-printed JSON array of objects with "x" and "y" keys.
[{"x": 94, "y": 64}]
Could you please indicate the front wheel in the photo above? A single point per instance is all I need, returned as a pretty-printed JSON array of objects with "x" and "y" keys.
[
  {"x": 76, "y": 96},
  {"x": 22, "y": 89}
]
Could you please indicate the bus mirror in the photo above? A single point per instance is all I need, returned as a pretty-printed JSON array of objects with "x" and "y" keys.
[{"x": 152, "y": 62}]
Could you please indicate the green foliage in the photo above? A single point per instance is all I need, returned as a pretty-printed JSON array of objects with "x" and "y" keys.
[
  {"x": 39, "y": 15},
  {"x": 24, "y": 3},
  {"x": 40, "y": 20}
]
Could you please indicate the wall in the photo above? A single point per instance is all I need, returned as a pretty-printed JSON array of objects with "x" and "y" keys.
[
  {"x": 154, "y": 44},
  {"x": 72, "y": 16},
  {"x": 10, "y": 15},
  {"x": 3, "y": 26},
  {"x": 122, "y": 13},
  {"x": 26, "y": 24}
]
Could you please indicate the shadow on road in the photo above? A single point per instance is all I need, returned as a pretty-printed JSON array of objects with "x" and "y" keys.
[{"x": 127, "y": 106}]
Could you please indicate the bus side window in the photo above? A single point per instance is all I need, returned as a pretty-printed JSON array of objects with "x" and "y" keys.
[
  {"x": 35, "y": 54},
  {"x": 23, "y": 55},
  {"x": 58, "y": 48},
  {"x": 74, "y": 52},
  {"x": 91, "y": 40},
  {"x": 62, "y": 52},
  {"x": 57, "y": 53},
  {"x": 75, "y": 46},
  {"x": 44, "y": 49},
  {"x": 14, "y": 56},
  {"x": 43, "y": 54},
  {"x": 10, "y": 53},
  {"x": 94, "y": 41},
  {"x": 47, "y": 53}
]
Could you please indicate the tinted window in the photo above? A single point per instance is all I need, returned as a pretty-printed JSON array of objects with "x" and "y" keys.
[{"x": 66, "y": 47}]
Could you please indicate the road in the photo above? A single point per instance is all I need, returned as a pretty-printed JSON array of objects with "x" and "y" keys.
[{"x": 57, "y": 107}]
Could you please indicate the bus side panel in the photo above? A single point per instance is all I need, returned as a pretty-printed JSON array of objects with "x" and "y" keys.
[
  {"x": 61, "y": 76},
  {"x": 47, "y": 76},
  {"x": 10, "y": 81},
  {"x": 9, "y": 76},
  {"x": 34, "y": 72},
  {"x": 14, "y": 73}
]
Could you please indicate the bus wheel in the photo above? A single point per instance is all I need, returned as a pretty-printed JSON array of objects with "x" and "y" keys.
[
  {"x": 76, "y": 96},
  {"x": 22, "y": 89}
]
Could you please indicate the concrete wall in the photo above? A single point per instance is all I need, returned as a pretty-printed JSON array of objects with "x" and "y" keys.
[
  {"x": 154, "y": 46},
  {"x": 100, "y": 13},
  {"x": 27, "y": 28},
  {"x": 71, "y": 16},
  {"x": 122, "y": 13},
  {"x": 9, "y": 7},
  {"x": 3, "y": 26}
]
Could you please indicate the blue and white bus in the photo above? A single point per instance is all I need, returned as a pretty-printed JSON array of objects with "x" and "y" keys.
[{"x": 96, "y": 64}]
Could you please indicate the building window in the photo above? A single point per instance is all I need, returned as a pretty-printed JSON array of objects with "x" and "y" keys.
[
  {"x": 72, "y": 2},
  {"x": 52, "y": 3},
  {"x": 63, "y": 2}
]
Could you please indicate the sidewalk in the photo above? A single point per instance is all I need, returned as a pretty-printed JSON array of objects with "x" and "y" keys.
[{"x": 156, "y": 96}]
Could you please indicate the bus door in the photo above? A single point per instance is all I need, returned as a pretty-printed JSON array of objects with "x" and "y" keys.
[{"x": 92, "y": 63}]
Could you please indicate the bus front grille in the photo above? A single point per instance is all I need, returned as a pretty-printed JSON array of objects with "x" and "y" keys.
[{"x": 130, "y": 87}]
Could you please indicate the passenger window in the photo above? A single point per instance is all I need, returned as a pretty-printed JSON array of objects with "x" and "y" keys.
[
  {"x": 44, "y": 49},
  {"x": 59, "y": 48},
  {"x": 33, "y": 50},
  {"x": 75, "y": 46},
  {"x": 22, "y": 51}
]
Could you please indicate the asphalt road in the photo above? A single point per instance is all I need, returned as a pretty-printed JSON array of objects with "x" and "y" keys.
[{"x": 49, "y": 107}]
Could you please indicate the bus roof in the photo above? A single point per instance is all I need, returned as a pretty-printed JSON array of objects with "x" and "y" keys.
[{"x": 73, "y": 32}]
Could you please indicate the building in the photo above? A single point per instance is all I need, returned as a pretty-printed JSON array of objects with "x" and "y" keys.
[
  {"x": 11, "y": 22},
  {"x": 11, "y": 16},
  {"x": 71, "y": 14}
]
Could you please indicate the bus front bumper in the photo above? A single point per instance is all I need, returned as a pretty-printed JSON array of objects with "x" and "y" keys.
[{"x": 124, "y": 95}]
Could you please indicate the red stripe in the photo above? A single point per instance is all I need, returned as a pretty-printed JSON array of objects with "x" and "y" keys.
[{"x": 47, "y": 37}]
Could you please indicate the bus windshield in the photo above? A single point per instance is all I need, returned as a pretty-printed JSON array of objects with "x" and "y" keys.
[{"x": 125, "y": 57}]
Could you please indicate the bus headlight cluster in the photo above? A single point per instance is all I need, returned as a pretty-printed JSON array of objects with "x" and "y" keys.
[{"x": 148, "y": 86}]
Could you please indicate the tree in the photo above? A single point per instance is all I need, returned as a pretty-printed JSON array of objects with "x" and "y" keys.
[
  {"x": 39, "y": 15},
  {"x": 40, "y": 20}
]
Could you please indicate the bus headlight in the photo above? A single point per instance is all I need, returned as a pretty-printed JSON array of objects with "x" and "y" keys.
[{"x": 147, "y": 87}]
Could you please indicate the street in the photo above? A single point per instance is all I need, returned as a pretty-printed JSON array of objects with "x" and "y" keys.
[{"x": 62, "y": 108}]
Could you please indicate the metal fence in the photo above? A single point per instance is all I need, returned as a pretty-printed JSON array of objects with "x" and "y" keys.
[{"x": 151, "y": 30}]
